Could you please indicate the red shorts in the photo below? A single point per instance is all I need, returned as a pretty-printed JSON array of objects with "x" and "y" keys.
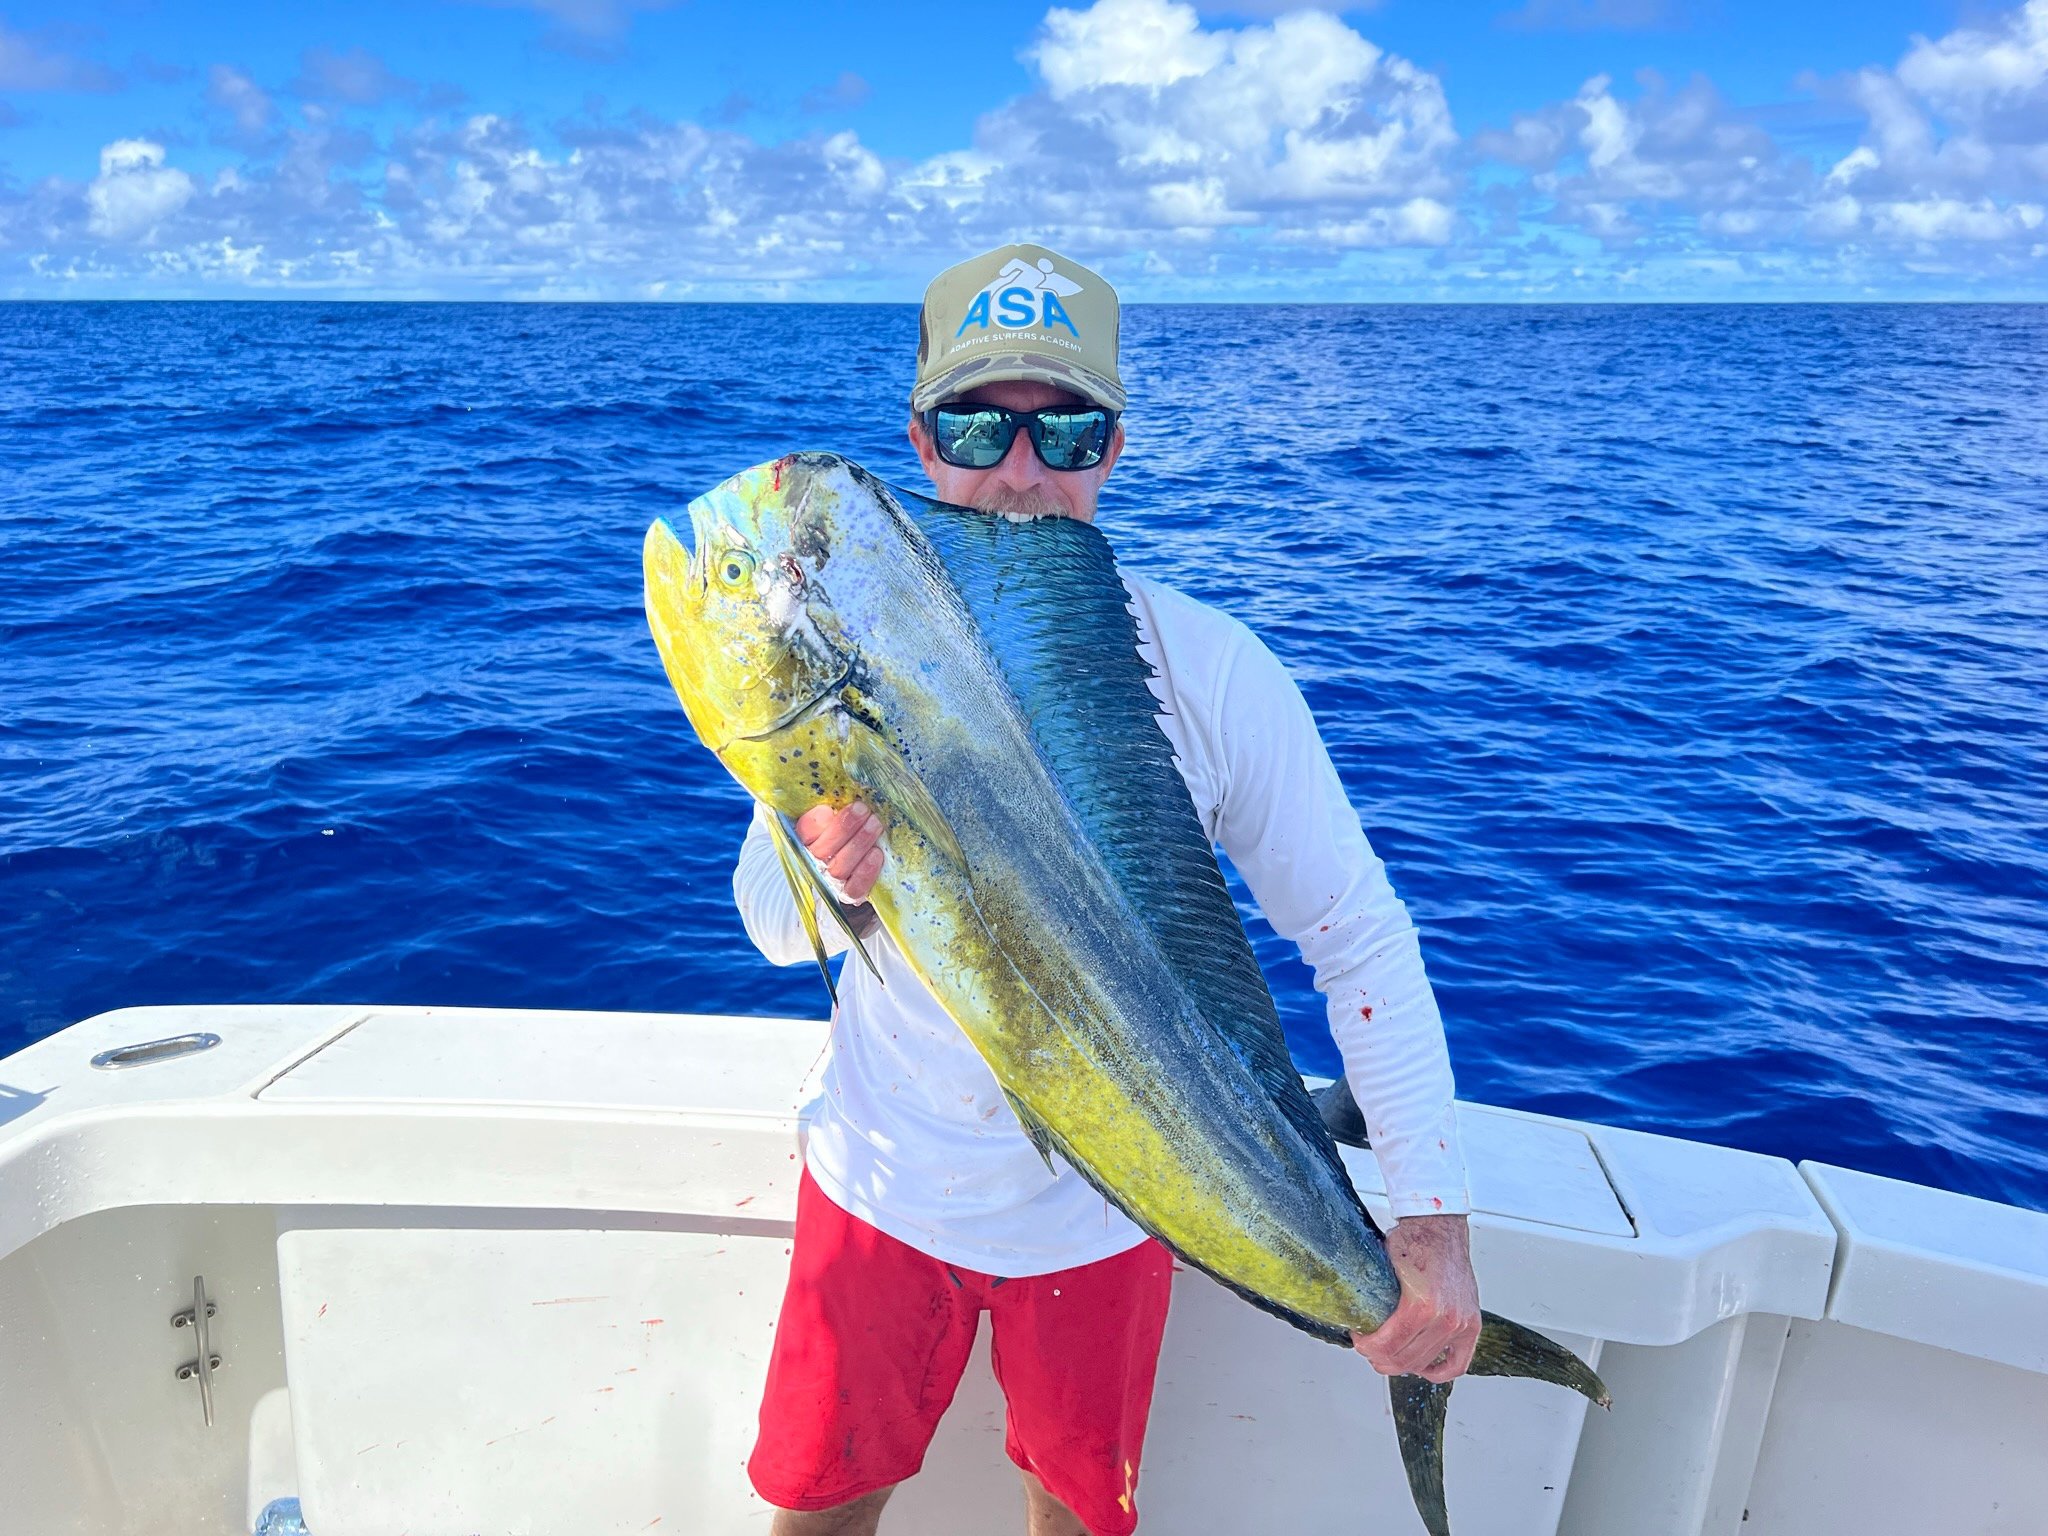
[{"x": 874, "y": 1336}]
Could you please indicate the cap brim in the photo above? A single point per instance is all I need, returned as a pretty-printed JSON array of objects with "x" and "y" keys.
[{"x": 1002, "y": 367}]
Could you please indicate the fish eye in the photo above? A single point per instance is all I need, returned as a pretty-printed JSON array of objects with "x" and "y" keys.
[{"x": 735, "y": 569}]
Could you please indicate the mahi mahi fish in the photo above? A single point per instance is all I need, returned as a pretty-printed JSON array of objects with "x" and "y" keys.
[{"x": 974, "y": 678}]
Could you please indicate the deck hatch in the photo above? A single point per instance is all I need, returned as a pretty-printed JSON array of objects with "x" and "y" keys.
[{"x": 1531, "y": 1170}]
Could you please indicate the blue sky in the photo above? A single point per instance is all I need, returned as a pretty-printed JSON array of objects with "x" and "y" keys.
[{"x": 646, "y": 149}]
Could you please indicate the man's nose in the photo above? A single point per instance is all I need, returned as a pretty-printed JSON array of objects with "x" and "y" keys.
[{"x": 1020, "y": 468}]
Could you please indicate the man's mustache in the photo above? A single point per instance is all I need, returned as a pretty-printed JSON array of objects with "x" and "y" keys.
[{"x": 1010, "y": 501}]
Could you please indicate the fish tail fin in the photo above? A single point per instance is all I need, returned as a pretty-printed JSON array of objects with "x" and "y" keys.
[
  {"x": 1419, "y": 1408},
  {"x": 1505, "y": 1349},
  {"x": 1509, "y": 1349}
]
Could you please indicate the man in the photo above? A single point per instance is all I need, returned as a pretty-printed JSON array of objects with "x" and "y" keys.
[{"x": 923, "y": 1203}]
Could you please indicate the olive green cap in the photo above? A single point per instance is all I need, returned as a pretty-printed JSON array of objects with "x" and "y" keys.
[{"x": 1019, "y": 312}]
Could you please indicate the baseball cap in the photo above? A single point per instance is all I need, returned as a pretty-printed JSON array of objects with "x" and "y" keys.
[{"x": 1018, "y": 312}]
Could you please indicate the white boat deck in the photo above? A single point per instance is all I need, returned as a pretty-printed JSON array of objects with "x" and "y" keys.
[{"x": 483, "y": 1270}]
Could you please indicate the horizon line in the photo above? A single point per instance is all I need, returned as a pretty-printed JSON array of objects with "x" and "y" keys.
[{"x": 1404, "y": 303}]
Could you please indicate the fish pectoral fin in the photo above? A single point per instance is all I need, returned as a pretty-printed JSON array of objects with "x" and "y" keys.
[
  {"x": 811, "y": 892},
  {"x": 1035, "y": 1128},
  {"x": 794, "y": 870},
  {"x": 896, "y": 787}
]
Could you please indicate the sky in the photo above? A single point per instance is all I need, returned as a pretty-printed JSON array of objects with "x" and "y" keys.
[{"x": 1477, "y": 150}]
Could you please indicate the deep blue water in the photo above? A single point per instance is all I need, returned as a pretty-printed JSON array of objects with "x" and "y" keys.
[{"x": 1689, "y": 667}]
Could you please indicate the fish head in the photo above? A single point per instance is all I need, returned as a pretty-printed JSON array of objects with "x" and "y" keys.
[{"x": 737, "y": 618}]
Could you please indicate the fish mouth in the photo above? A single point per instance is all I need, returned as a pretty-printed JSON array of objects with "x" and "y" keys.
[
  {"x": 666, "y": 558},
  {"x": 675, "y": 583},
  {"x": 673, "y": 565},
  {"x": 692, "y": 550}
]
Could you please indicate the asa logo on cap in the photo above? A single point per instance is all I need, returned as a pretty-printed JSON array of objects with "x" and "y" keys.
[{"x": 1022, "y": 295}]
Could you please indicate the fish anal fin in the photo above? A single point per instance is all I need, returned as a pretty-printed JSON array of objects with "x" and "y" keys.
[
  {"x": 1039, "y": 1132},
  {"x": 1049, "y": 1141}
]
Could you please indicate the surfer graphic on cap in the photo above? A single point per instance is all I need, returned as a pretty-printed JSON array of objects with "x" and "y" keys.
[
  {"x": 1018, "y": 273},
  {"x": 1023, "y": 293}
]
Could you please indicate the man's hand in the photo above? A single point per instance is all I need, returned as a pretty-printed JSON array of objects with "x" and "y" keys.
[
  {"x": 1433, "y": 1331},
  {"x": 848, "y": 843}
]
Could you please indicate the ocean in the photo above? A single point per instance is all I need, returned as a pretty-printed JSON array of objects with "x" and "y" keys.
[{"x": 1688, "y": 666}]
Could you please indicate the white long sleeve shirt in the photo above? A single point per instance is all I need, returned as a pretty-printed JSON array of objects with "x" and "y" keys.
[{"x": 911, "y": 1132}]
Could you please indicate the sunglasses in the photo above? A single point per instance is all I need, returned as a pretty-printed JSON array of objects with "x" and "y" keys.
[{"x": 978, "y": 436}]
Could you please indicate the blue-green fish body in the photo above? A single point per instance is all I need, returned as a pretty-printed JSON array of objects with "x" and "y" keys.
[{"x": 975, "y": 680}]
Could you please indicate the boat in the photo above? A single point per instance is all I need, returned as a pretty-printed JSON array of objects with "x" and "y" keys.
[{"x": 362, "y": 1271}]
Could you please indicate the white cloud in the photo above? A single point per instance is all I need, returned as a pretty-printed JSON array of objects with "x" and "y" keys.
[
  {"x": 1619, "y": 167},
  {"x": 1956, "y": 143},
  {"x": 1975, "y": 67},
  {"x": 135, "y": 191},
  {"x": 248, "y": 106},
  {"x": 1953, "y": 154},
  {"x": 1419, "y": 221},
  {"x": 1948, "y": 218},
  {"x": 1259, "y": 154},
  {"x": 1282, "y": 124},
  {"x": 1860, "y": 159},
  {"x": 1125, "y": 42}
]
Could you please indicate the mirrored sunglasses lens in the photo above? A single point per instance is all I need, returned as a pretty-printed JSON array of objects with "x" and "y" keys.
[
  {"x": 1073, "y": 440},
  {"x": 972, "y": 439}
]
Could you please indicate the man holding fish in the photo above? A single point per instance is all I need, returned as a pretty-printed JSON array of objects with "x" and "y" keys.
[{"x": 925, "y": 1200}]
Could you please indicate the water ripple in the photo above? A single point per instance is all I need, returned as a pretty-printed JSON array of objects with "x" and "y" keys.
[{"x": 1689, "y": 666}]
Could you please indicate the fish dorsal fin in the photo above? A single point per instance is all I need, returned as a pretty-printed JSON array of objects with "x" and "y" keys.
[{"x": 1053, "y": 612}]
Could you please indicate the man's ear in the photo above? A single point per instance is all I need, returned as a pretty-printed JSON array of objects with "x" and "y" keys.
[
  {"x": 921, "y": 442},
  {"x": 1116, "y": 448}
]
